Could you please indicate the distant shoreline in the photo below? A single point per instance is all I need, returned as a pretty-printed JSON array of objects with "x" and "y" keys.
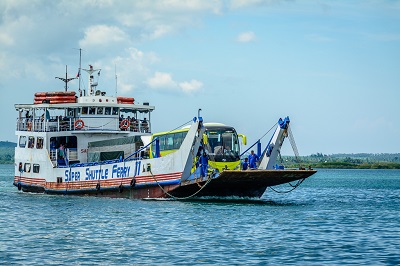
[{"x": 318, "y": 161}]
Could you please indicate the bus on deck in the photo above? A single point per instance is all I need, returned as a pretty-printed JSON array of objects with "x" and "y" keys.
[{"x": 220, "y": 141}]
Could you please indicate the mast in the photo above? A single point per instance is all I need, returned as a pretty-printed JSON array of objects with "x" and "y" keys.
[
  {"x": 116, "y": 81},
  {"x": 92, "y": 85},
  {"x": 79, "y": 72},
  {"x": 66, "y": 79}
]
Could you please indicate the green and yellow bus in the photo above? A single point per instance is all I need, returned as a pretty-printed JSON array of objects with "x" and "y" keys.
[{"x": 220, "y": 141}]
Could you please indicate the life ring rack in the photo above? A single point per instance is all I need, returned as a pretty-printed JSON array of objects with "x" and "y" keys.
[
  {"x": 79, "y": 124},
  {"x": 124, "y": 124}
]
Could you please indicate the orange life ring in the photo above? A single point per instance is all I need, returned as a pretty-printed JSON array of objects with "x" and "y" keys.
[
  {"x": 79, "y": 124},
  {"x": 124, "y": 124}
]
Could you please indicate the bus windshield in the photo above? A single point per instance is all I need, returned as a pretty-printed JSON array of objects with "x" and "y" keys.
[{"x": 223, "y": 144}]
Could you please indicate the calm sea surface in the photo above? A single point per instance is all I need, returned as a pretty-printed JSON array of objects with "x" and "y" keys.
[{"x": 335, "y": 217}]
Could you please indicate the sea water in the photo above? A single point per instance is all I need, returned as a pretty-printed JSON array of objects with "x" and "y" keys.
[{"x": 335, "y": 217}]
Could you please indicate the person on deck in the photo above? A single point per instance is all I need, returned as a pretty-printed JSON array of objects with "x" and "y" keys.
[
  {"x": 145, "y": 125},
  {"x": 203, "y": 164},
  {"x": 253, "y": 159},
  {"x": 61, "y": 151},
  {"x": 245, "y": 164}
]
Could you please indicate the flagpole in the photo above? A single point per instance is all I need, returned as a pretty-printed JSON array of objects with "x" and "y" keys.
[
  {"x": 66, "y": 78},
  {"x": 116, "y": 81},
  {"x": 79, "y": 71}
]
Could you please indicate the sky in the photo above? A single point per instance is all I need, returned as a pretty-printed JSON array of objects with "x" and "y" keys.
[{"x": 333, "y": 67}]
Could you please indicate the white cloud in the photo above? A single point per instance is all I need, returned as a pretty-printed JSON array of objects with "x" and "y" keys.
[
  {"x": 125, "y": 88},
  {"x": 6, "y": 39},
  {"x": 245, "y": 3},
  {"x": 103, "y": 35},
  {"x": 248, "y": 36},
  {"x": 192, "y": 86},
  {"x": 160, "y": 31},
  {"x": 164, "y": 81},
  {"x": 161, "y": 80}
]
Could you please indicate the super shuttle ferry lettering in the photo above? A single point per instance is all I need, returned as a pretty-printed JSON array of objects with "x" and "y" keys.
[
  {"x": 96, "y": 174},
  {"x": 120, "y": 171},
  {"x": 72, "y": 176}
]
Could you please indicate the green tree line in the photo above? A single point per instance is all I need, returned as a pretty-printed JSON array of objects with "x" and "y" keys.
[
  {"x": 318, "y": 160},
  {"x": 345, "y": 161},
  {"x": 7, "y": 152}
]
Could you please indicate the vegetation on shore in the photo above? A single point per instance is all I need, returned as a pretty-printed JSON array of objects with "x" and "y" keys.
[
  {"x": 319, "y": 160},
  {"x": 346, "y": 161},
  {"x": 7, "y": 152}
]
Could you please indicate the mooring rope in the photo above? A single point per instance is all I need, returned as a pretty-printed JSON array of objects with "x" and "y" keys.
[
  {"x": 293, "y": 187},
  {"x": 181, "y": 198}
]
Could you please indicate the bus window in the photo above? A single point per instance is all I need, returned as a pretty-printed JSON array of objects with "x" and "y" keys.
[
  {"x": 162, "y": 143},
  {"x": 178, "y": 139},
  {"x": 169, "y": 142},
  {"x": 22, "y": 141},
  {"x": 223, "y": 144}
]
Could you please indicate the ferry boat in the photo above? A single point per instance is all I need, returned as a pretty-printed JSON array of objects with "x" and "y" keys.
[{"x": 103, "y": 145}]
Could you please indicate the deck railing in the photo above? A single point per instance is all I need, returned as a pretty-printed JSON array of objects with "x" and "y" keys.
[{"x": 68, "y": 124}]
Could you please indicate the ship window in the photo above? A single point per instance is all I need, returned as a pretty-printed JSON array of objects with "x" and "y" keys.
[
  {"x": 99, "y": 110},
  {"x": 92, "y": 110},
  {"x": 39, "y": 143},
  {"x": 115, "y": 111},
  {"x": 36, "y": 168},
  {"x": 107, "y": 111},
  {"x": 22, "y": 141},
  {"x": 27, "y": 167},
  {"x": 70, "y": 112},
  {"x": 84, "y": 110},
  {"x": 31, "y": 142}
]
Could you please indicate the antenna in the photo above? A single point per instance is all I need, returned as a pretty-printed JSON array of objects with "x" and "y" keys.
[
  {"x": 116, "y": 81},
  {"x": 79, "y": 72},
  {"x": 66, "y": 79}
]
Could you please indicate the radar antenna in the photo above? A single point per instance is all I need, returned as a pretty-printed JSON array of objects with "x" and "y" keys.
[{"x": 66, "y": 79}]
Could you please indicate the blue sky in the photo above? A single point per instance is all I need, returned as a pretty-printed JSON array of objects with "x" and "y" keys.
[{"x": 333, "y": 67}]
